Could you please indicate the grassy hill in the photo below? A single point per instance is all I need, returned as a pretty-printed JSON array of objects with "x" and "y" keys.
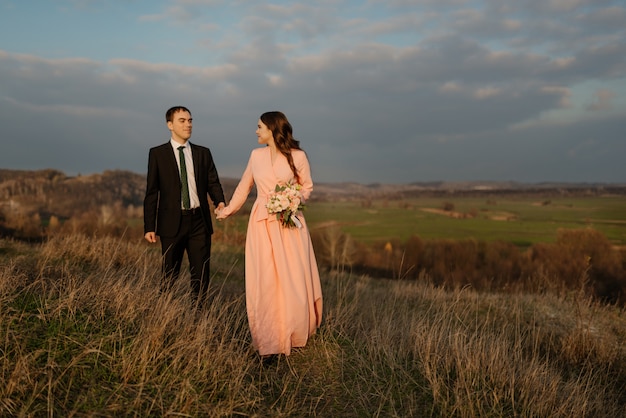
[{"x": 84, "y": 332}]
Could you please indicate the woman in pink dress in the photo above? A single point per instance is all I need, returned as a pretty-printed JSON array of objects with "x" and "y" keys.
[{"x": 283, "y": 291}]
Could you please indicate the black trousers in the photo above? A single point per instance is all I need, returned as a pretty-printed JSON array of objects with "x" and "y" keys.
[{"x": 192, "y": 237}]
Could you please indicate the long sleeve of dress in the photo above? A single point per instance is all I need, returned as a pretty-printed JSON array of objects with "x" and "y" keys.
[{"x": 241, "y": 192}]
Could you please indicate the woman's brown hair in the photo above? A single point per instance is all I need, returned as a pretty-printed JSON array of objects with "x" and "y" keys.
[{"x": 283, "y": 136}]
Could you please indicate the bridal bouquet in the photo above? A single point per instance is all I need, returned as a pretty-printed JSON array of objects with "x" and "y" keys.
[{"x": 285, "y": 201}]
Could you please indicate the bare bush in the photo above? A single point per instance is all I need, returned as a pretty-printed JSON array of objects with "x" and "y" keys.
[
  {"x": 333, "y": 248},
  {"x": 579, "y": 259}
]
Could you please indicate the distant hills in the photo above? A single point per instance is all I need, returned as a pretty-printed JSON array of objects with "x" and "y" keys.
[
  {"x": 53, "y": 192},
  {"x": 467, "y": 188}
]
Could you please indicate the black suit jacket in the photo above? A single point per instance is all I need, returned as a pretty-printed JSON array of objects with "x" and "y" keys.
[{"x": 162, "y": 204}]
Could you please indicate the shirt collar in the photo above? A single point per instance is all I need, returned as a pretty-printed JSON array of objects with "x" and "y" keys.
[{"x": 175, "y": 144}]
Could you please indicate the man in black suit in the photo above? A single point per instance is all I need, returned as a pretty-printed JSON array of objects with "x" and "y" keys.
[{"x": 181, "y": 178}]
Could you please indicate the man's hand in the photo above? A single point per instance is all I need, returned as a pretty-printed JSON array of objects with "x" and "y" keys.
[
  {"x": 218, "y": 211},
  {"x": 150, "y": 237}
]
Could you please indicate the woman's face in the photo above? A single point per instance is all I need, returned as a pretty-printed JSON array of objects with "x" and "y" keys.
[{"x": 264, "y": 134}]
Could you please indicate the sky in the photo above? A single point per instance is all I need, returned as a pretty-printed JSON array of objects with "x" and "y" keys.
[{"x": 377, "y": 91}]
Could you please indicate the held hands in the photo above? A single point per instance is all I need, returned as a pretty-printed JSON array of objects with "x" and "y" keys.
[{"x": 219, "y": 212}]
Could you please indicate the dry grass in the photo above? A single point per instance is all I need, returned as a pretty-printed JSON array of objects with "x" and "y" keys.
[{"x": 84, "y": 332}]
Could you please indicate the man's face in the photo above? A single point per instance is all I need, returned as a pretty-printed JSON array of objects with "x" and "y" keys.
[{"x": 180, "y": 126}]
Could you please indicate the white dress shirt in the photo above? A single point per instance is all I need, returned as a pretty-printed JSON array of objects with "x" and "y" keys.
[{"x": 191, "y": 178}]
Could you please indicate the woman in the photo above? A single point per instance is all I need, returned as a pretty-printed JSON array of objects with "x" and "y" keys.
[{"x": 283, "y": 291}]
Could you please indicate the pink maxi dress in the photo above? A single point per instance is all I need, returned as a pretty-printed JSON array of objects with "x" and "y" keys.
[{"x": 283, "y": 291}]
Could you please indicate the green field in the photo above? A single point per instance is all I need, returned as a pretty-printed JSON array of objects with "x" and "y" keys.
[{"x": 521, "y": 220}]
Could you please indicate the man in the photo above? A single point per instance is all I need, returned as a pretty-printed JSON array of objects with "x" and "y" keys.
[{"x": 181, "y": 178}]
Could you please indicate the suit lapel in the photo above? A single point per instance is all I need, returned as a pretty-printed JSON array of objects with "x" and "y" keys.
[{"x": 171, "y": 160}]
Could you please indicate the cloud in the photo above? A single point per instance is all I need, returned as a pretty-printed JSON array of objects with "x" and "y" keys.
[
  {"x": 603, "y": 100},
  {"x": 394, "y": 91}
]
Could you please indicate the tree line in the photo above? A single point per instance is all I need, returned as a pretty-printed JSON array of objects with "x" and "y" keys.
[{"x": 579, "y": 260}]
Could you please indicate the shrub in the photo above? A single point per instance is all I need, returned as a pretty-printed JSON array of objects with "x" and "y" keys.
[{"x": 578, "y": 260}]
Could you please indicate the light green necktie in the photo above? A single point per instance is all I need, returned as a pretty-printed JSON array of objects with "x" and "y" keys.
[{"x": 184, "y": 186}]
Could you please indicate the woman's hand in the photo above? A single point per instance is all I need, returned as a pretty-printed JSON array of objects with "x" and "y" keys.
[{"x": 219, "y": 212}]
